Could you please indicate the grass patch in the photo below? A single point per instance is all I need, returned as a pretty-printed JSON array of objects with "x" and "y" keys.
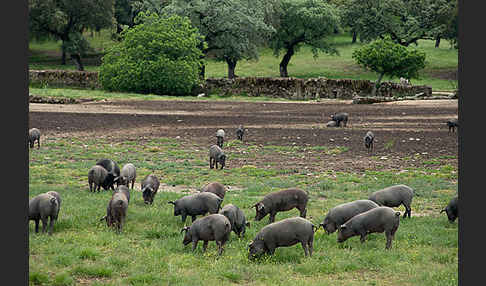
[
  {"x": 92, "y": 271},
  {"x": 149, "y": 251}
]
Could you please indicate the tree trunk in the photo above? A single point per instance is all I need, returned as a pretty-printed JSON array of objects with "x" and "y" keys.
[
  {"x": 63, "y": 57},
  {"x": 77, "y": 60},
  {"x": 355, "y": 35},
  {"x": 64, "y": 39},
  {"x": 376, "y": 85},
  {"x": 437, "y": 41},
  {"x": 231, "y": 68},
  {"x": 202, "y": 72},
  {"x": 285, "y": 61},
  {"x": 119, "y": 28}
]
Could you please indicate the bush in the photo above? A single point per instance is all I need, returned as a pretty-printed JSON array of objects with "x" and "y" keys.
[
  {"x": 386, "y": 57},
  {"x": 158, "y": 56}
]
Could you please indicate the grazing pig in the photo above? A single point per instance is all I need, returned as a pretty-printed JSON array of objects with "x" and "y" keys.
[
  {"x": 236, "y": 217},
  {"x": 98, "y": 176},
  {"x": 240, "y": 131},
  {"x": 452, "y": 124},
  {"x": 216, "y": 155},
  {"x": 368, "y": 140},
  {"x": 220, "y": 137},
  {"x": 286, "y": 232},
  {"x": 394, "y": 196},
  {"x": 215, "y": 188},
  {"x": 116, "y": 211},
  {"x": 44, "y": 207},
  {"x": 150, "y": 186},
  {"x": 196, "y": 204},
  {"x": 340, "y": 117},
  {"x": 113, "y": 171},
  {"x": 343, "y": 212},
  {"x": 34, "y": 135},
  {"x": 58, "y": 198},
  {"x": 128, "y": 174},
  {"x": 331, "y": 123},
  {"x": 214, "y": 227},
  {"x": 124, "y": 190},
  {"x": 283, "y": 200},
  {"x": 380, "y": 219},
  {"x": 452, "y": 209}
]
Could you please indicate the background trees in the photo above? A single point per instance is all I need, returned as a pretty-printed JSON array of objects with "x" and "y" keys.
[
  {"x": 232, "y": 29},
  {"x": 241, "y": 29},
  {"x": 300, "y": 22},
  {"x": 404, "y": 21},
  {"x": 65, "y": 20}
]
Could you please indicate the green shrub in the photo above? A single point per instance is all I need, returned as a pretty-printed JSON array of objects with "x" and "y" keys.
[
  {"x": 386, "y": 57},
  {"x": 158, "y": 56}
]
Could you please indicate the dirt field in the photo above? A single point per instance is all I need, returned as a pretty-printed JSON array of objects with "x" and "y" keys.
[{"x": 404, "y": 130}]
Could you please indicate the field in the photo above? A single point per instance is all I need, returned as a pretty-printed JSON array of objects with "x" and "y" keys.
[
  {"x": 440, "y": 72},
  {"x": 286, "y": 145}
]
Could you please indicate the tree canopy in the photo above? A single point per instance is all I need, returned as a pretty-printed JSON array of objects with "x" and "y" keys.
[
  {"x": 404, "y": 21},
  {"x": 386, "y": 57},
  {"x": 232, "y": 29},
  {"x": 66, "y": 19},
  {"x": 300, "y": 22}
]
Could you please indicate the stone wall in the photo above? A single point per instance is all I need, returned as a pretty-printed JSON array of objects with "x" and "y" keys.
[
  {"x": 312, "y": 88},
  {"x": 83, "y": 79},
  {"x": 291, "y": 88}
]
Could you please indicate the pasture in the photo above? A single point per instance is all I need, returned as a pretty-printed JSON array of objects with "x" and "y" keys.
[
  {"x": 286, "y": 145},
  {"x": 440, "y": 72}
]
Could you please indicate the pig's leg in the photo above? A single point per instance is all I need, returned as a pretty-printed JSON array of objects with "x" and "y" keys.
[
  {"x": 304, "y": 246},
  {"x": 194, "y": 244},
  {"x": 272, "y": 217}
]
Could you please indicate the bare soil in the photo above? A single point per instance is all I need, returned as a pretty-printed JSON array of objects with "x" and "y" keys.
[{"x": 408, "y": 133}]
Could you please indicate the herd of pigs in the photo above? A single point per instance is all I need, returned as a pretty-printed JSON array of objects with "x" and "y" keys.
[{"x": 356, "y": 218}]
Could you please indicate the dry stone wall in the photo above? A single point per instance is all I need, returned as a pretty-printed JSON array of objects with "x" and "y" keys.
[
  {"x": 312, "y": 88},
  {"x": 83, "y": 79},
  {"x": 291, "y": 88}
]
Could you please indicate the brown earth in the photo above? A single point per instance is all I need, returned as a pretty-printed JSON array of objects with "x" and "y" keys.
[{"x": 408, "y": 133}]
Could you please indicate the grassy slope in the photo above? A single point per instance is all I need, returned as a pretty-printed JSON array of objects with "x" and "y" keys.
[
  {"x": 150, "y": 251},
  {"x": 302, "y": 64}
]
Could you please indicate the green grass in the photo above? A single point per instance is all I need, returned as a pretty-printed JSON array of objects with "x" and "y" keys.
[
  {"x": 150, "y": 251},
  {"x": 302, "y": 65},
  {"x": 96, "y": 95}
]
